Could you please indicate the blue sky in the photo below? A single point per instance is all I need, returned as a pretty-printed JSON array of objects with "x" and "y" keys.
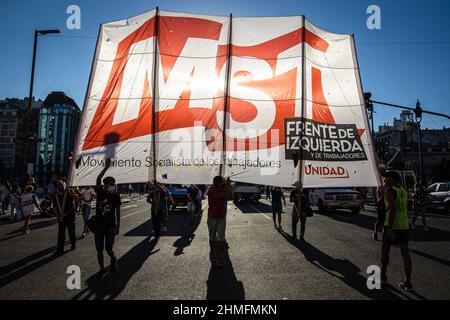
[{"x": 408, "y": 59}]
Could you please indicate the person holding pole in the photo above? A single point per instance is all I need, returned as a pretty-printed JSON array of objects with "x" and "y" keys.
[
  {"x": 64, "y": 204},
  {"x": 158, "y": 197},
  {"x": 218, "y": 195},
  {"x": 299, "y": 215},
  {"x": 107, "y": 219}
]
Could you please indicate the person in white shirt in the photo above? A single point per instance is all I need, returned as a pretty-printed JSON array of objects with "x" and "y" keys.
[
  {"x": 87, "y": 195},
  {"x": 29, "y": 202}
]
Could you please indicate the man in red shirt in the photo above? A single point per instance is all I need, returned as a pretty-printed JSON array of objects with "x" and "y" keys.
[{"x": 218, "y": 195}]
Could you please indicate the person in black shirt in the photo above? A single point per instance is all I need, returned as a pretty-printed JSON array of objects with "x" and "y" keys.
[
  {"x": 277, "y": 206},
  {"x": 107, "y": 218},
  {"x": 419, "y": 198},
  {"x": 299, "y": 215},
  {"x": 64, "y": 204}
]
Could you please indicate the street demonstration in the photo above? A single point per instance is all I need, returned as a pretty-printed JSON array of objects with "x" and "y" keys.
[{"x": 224, "y": 157}]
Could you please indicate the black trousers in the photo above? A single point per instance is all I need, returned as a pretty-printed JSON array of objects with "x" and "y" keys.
[
  {"x": 69, "y": 224},
  {"x": 157, "y": 220}
]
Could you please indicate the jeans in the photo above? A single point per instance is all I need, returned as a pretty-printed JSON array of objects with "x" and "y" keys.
[
  {"x": 85, "y": 212},
  {"x": 295, "y": 219},
  {"x": 216, "y": 229},
  {"x": 69, "y": 224},
  {"x": 423, "y": 212},
  {"x": 157, "y": 220}
]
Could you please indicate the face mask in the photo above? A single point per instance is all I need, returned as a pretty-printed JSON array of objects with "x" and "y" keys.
[{"x": 111, "y": 189}]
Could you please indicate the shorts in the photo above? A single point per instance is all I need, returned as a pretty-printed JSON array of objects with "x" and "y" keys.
[
  {"x": 104, "y": 239},
  {"x": 216, "y": 228},
  {"x": 401, "y": 237},
  {"x": 277, "y": 208},
  {"x": 190, "y": 206}
]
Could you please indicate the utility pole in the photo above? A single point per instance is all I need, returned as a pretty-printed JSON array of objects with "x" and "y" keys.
[{"x": 30, "y": 102}]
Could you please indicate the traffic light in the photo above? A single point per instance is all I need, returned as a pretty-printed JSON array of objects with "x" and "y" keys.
[{"x": 368, "y": 101}]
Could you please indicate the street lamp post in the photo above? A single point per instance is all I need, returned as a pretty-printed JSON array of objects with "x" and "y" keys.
[
  {"x": 30, "y": 97},
  {"x": 418, "y": 112}
]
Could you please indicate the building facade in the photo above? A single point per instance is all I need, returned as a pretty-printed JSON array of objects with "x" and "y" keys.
[
  {"x": 13, "y": 137},
  {"x": 397, "y": 146},
  {"x": 58, "y": 125}
]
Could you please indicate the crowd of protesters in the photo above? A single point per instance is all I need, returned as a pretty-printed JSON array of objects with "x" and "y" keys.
[{"x": 64, "y": 202}]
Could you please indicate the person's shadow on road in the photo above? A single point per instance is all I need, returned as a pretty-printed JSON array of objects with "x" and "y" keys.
[
  {"x": 187, "y": 236},
  {"x": 113, "y": 284},
  {"x": 222, "y": 283},
  {"x": 344, "y": 270}
]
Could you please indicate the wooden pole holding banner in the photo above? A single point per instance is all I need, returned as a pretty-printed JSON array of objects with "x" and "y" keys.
[
  {"x": 154, "y": 88},
  {"x": 303, "y": 116},
  {"x": 154, "y": 122},
  {"x": 227, "y": 98},
  {"x": 86, "y": 99},
  {"x": 371, "y": 140}
]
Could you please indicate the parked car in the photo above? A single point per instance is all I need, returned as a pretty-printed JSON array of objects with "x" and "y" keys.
[
  {"x": 438, "y": 196},
  {"x": 246, "y": 191},
  {"x": 337, "y": 198},
  {"x": 179, "y": 196}
]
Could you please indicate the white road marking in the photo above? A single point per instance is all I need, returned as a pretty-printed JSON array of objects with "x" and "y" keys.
[
  {"x": 260, "y": 212},
  {"x": 130, "y": 206},
  {"x": 132, "y": 214}
]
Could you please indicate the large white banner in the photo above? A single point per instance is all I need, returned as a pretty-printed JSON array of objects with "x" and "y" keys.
[{"x": 183, "y": 98}]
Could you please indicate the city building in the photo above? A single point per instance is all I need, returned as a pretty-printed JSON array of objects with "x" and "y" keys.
[
  {"x": 13, "y": 137},
  {"x": 397, "y": 146},
  {"x": 58, "y": 125}
]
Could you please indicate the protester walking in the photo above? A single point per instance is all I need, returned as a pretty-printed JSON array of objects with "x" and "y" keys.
[
  {"x": 192, "y": 193},
  {"x": 381, "y": 212},
  {"x": 218, "y": 195},
  {"x": 299, "y": 215},
  {"x": 87, "y": 194},
  {"x": 419, "y": 197},
  {"x": 159, "y": 198},
  {"x": 396, "y": 227},
  {"x": 107, "y": 219},
  {"x": 64, "y": 204},
  {"x": 28, "y": 203},
  {"x": 277, "y": 206}
]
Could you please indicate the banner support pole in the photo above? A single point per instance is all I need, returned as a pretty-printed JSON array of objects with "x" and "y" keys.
[
  {"x": 154, "y": 87},
  {"x": 303, "y": 108},
  {"x": 84, "y": 112},
  {"x": 371, "y": 139},
  {"x": 227, "y": 98}
]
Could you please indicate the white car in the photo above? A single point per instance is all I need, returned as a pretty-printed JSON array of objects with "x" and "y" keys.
[
  {"x": 438, "y": 196},
  {"x": 337, "y": 198}
]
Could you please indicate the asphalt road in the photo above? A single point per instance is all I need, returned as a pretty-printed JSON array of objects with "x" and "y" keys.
[{"x": 262, "y": 263}]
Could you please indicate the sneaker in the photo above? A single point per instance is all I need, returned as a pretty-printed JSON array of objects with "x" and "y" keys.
[
  {"x": 100, "y": 274},
  {"x": 375, "y": 236},
  {"x": 164, "y": 229},
  {"x": 275, "y": 226},
  {"x": 280, "y": 227},
  {"x": 113, "y": 265},
  {"x": 407, "y": 286},
  {"x": 82, "y": 237},
  {"x": 27, "y": 231}
]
